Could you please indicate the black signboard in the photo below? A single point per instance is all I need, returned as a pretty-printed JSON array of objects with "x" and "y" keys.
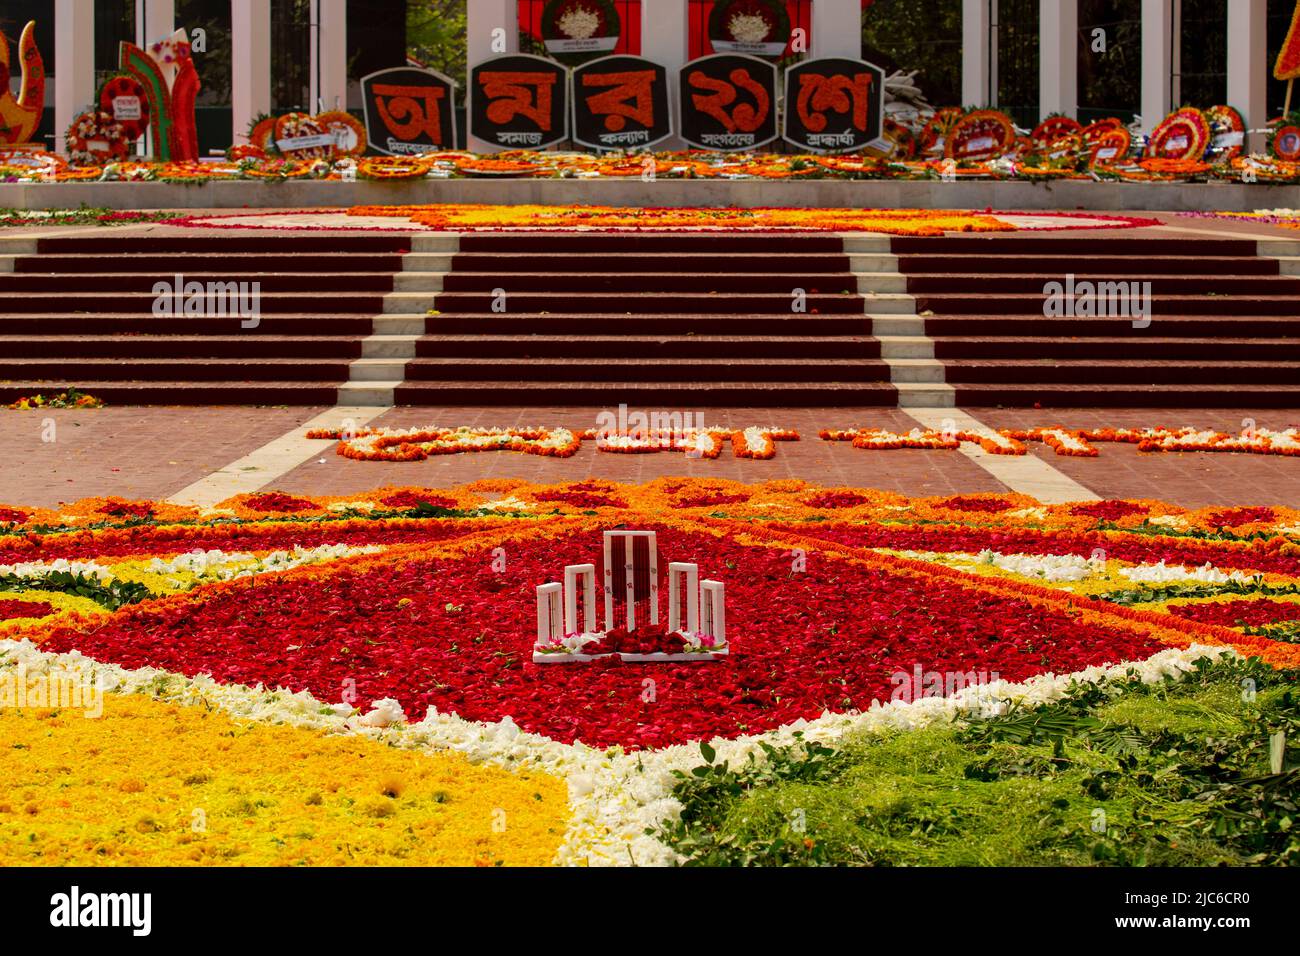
[
  {"x": 409, "y": 110},
  {"x": 620, "y": 102},
  {"x": 519, "y": 101},
  {"x": 728, "y": 102},
  {"x": 834, "y": 105}
]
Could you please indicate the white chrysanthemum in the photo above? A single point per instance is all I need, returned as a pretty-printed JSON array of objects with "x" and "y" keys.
[
  {"x": 748, "y": 28},
  {"x": 579, "y": 23}
]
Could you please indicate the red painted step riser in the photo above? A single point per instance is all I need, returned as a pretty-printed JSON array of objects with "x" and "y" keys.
[
  {"x": 1079, "y": 349},
  {"x": 138, "y": 347},
  {"x": 1163, "y": 327},
  {"x": 179, "y": 243},
  {"x": 541, "y": 371},
  {"x": 1243, "y": 307},
  {"x": 1082, "y": 397},
  {"x": 640, "y": 304},
  {"x": 641, "y": 284},
  {"x": 1032, "y": 245},
  {"x": 1160, "y": 285},
  {"x": 691, "y": 396},
  {"x": 1093, "y": 265},
  {"x": 593, "y": 264},
  {"x": 606, "y": 243},
  {"x": 168, "y": 266},
  {"x": 1102, "y": 374},
  {"x": 81, "y": 284},
  {"x": 229, "y": 393},
  {"x": 809, "y": 325},
  {"x": 198, "y": 370},
  {"x": 683, "y": 348},
  {"x": 148, "y": 325},
  {"x": 143, "y": 304}
]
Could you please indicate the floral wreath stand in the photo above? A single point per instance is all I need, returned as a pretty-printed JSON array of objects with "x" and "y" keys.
[{"x": 632, "y": 597}]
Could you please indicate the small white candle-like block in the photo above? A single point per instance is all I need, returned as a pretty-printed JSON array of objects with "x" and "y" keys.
[
  {"x": 579, "y": 577},
  {"x": 678, "y": 570},
  {"x": 628, "y": 597},
  {"x": 713, "y": 613},
  {"x": 549, "y": 597}
]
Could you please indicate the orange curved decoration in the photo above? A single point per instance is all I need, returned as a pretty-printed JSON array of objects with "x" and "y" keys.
[{"x": 19, "y": 118}]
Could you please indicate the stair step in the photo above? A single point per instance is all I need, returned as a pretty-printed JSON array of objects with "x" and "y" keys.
[
  {"x": 1193, "y": 325},
  {"x": 175, "y": 242},
  {"x": 92, "y": 283},
  {"x": 1119, "y": 372},
  {"x": 180, "y": 346},
  {"x": 647, "y": 303},
  {"x": 143, "y": 302},
  {"x": 1029, "y": 244},
  {"x": 1161, "y": 305},
  {"x": 645, "y": 369},
  {"x": 632, "y": 346},
  {"x": 640, "y": 283},
  {"x": 1133, "y": 347},
  {"x": 1032, "y": 284},
  {"x": 511, "y": 263},
  {"x": 58, "y": 324},
  {"x": 1061, "y": 265},
  {"x": 244, "y": 369},
  {"x": 186, "y": 392},
  {"x": 655, "y": 394},
  {"x": 570, "y": 323},
  {"x": 1127, "y": 396},
  {"x": 679, "y": 243},
  {"x": 168, "y": 264}
]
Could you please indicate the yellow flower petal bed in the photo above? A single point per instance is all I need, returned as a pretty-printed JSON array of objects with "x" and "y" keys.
[
  {"x": 899, "y": 222},
  {"x": 156, "y": 784}
]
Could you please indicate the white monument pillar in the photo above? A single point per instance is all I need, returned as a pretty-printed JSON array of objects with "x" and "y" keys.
[
  {"x": 250, "y": 63},
  {"x": 329, "y": 55},
  {"x": 74, "y": 59},
  {"x": 976, "y": 54},
  {"x": 1157, "y": 61},
  {"x": 1248, "y": 65},
  {"x": 837, "y": 28},
  {"x": 1058, "y": 70},
  {"x": 492, "y": 29},
  {"x": 155, "y": 20},
  {"x": 664, "y": 40}
]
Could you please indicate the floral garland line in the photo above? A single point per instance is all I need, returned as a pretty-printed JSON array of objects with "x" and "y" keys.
[
  {"x": 417, "y": 444},
  {"x": 1076, "y": 442}
]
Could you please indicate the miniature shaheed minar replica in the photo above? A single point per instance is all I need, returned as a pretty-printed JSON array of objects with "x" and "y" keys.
[{"x": 567, "y": 629}]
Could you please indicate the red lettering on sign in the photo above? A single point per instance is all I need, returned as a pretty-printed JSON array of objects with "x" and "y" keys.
[
  {"x": 519, "y": 94},
  {"x": 837, "y": 94}
]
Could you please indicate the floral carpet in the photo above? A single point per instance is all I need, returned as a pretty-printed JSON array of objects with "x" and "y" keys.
[{"x": 293, "y": 680}]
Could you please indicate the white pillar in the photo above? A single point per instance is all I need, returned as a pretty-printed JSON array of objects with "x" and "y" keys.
[
  {"x": 329, "y": 55},
  {"x": 664, "y": 40},
  {"x": 74, "y": 60},
  {"x": 155, "y": 19},
  {"x": 1248, "y": 65},
  {"x": 837, "y": 28},
  {"x": 250, "y": 63},
  {"x": 1058, "y": 70},
  {"x": 492, "y": 29},
  {"x": 1157, "y": 61},
  {"x": 976, "y": 54}
]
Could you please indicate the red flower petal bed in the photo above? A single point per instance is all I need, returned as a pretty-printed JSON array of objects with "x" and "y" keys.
[
  {"x": 454, "y": 634},
  {"x": 11, "y": 609},
  {"x": 1256, "y": 613}
]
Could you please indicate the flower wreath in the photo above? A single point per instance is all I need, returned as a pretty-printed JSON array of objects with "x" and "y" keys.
[
  {"x": 1184, "y": 134},
  {"x": 1053, "y": 128},
  {"x": 117, "y": 87},
  {"x": 276, "y": 168},
  {"x": 347, "y": 130},
  {"x": 300, "y": 124},
  {"x": 726, "y": 14},
  {"x": 1111, "y": 147},
  {"x": 1284, "y": 140},
  {"x": 1228, "y": 131},
  {"x": 95, "y": 138},
  {"x": 935, "y": 132},
  {"x": 1094, "y": 132},
  {"x": 979, "y": 135},
  {"x": 392, "y": 167},
  {"x": 561, "y": 18}
]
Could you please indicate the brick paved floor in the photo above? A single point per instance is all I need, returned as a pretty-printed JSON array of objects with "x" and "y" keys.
[
  {"x": 130, "y": 452},
  {"x": 154, "y": 452}
]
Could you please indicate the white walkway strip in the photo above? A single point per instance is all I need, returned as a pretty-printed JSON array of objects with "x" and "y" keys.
[
  {"x": 1026, "y": 474},
  {"x": 273, "y": 460},
  {"x": 374, "y": 377},
  {"x": 906, "y": 349}
]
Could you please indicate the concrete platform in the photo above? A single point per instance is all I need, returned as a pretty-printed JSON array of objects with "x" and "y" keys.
[{"x": 1071, "y": 195}]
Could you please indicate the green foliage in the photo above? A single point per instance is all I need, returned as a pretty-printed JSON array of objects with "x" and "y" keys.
[
  {"x": 1123, "y": 774},
  {"x": 111, "y": 594},
  {"x": 435, "y": 35}
]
